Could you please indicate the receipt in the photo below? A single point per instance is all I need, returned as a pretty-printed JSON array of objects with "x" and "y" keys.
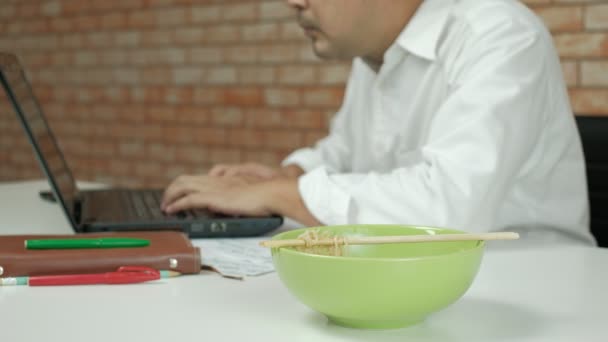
[{"x": 236, "y": 257}]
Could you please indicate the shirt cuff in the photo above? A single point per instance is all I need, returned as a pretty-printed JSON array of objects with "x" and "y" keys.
[
  {"x": 323, "y": 198},
  {"x": 306, "y": 158}
]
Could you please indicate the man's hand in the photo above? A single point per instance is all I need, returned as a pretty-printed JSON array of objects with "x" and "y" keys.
[
  {"x": 237, "y": 196},
  {"x": 255, "y": 171},
  {"x": 229, "y": 195}
]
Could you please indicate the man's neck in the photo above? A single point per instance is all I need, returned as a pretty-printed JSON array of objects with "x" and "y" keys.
[{"x": 373, "y": 64}]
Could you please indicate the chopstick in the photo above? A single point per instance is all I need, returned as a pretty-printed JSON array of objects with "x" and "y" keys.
[{"x": 372, "y": 240}]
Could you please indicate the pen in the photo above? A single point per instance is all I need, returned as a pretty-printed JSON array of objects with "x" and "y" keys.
[
  {"x": 86, "y": 243},
  {"x": 124, "y": 275}
]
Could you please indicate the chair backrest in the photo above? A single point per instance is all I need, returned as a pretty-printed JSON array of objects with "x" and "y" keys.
[{"x": 594, "y": 135}]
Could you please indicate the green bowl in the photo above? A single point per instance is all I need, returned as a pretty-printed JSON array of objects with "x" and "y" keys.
[{"x": 379, "y": 286}]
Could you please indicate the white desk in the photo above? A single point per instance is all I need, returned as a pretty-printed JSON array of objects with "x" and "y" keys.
[{"x": 555, "y": 294}]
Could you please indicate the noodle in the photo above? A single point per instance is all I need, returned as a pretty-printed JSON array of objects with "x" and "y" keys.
[{"x": 311, "y": 235}]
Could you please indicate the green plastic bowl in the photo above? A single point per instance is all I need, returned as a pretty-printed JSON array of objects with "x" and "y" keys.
[{"x": 379, "y": 286}]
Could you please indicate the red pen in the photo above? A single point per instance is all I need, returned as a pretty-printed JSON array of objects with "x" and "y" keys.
[{"x": 124, "y": 275}]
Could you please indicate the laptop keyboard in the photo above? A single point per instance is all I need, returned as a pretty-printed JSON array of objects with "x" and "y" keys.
[{"x": 145, "y": 203}]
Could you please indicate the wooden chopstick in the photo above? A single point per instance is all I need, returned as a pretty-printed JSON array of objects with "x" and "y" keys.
[{"x": 372, "y": 240}]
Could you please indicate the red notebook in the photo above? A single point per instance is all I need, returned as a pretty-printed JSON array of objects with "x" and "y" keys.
[{"x": 168, "y": 250}]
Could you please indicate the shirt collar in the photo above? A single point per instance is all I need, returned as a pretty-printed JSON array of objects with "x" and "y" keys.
[{"x": 421, "y": 35}]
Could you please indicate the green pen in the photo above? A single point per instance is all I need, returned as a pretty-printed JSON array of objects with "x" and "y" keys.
[{"x": 86, "y": 243}]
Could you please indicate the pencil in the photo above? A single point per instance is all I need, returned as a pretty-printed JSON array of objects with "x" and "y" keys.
[{"x": 26, "y": 280}]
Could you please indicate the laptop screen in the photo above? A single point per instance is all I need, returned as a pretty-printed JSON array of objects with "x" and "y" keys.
[{"x": 49, "y": 155}]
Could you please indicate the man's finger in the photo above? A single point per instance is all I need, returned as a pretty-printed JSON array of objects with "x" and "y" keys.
[
  {"x": 233, "y": 171},
  {"x": 182, "y": 203},
  {"x": 218, "y": 170},
  {"x": 175, "y": 191}
]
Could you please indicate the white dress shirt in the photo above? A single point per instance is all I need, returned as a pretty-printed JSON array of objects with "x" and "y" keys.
[{"x": 466, "y": 125}]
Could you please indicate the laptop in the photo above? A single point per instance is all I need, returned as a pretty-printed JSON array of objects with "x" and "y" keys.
[{"x": 111, "y": 209}]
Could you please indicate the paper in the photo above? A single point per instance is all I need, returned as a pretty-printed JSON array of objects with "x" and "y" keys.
[{"x": 236, "y": 257}]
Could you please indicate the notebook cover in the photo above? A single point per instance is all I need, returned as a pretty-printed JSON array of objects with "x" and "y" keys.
[{"x": 168, "y": 250}]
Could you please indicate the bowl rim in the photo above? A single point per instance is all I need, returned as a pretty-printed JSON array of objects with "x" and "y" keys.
[{"x": 480, "y": 244}]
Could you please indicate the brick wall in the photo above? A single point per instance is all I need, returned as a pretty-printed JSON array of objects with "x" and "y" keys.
[{"x": 139, "y": 91}]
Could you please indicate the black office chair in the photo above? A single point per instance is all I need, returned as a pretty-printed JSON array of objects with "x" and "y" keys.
[{"x": 594, "y": 135}]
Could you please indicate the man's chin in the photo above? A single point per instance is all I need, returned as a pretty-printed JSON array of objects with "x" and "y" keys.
[{"x": 323, "y": 51}]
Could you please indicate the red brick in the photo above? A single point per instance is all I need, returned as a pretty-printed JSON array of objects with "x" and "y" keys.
[
  {"x": 51, "y": 8},
  {"x": 179, "y": 95},
  {"x": 188, "y": 75},
  {"x": 582, "y": 44},
  {"x": 264, "y": 117},
  {"x": 303, "y": 118},
  {"x": 156, "y": 37},
  {"x": 227, "y": 116},
  {"x": 245, "y": 137},
  {"x": 86, "y": 22},
  {"x": 74, "y": 6},
  {"x": 224, "y": 75},
  {"x": 204, "y": 55},
  {"x": 597, "y": 16},
  {"x": 208, "y": 95},
  {"x": 156, "y": 75},
  {"x": 297, "y": 75},
  {"x": 191, "y": 114},
  {"x": 171, "y": 17},
  {"x": 277, "y": 97},
  {"x": 256, "y": 75},
  {"x": 151, "y": 132},
  {"x": 589, "y": 101},
  {"x": 310, "y": 138},
  {"x": 116, "y": 94},
  {"x": 189, "y": 36},
  {"x": 224, "y": 155},
  {"x": 205, "y": 14},
  {"x": 241, "y": 54},
  {"x": 242, "y": 11},
  {"x": 114, "y": 20},
  {"x": 7, "y": 10},
  {"x": 28, "y": 10},
  {"x": 562, "y": 18},
  {"x": 60, "y": 24},
  {"x": 260, "y": 32},
  {"x": 99, "y": 39},
  {"x": 244, "y": 96},
  {"x": 142, "y": 19},
  {"x": 148, "y": 168},
  {"x": 279, "y": 53},
  {"x": 570, "y": 71},
  {"x": 191, "y": 154},
  {"x": 225, "y": 33},
  {"x": 334, "y": 74},
  {"x": 276, "y": 10},
  {"x": 161, "y": 152},
  {"x": 211, "y": 136},
  {"x": 331, "y": 97},
  {"x": 127, "y": 38},
  {"x": 280, "y": 139},
  {"x": 594, "y": 73}
]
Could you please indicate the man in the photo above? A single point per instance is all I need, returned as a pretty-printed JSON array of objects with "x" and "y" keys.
[{"x": 455, "y": 115}]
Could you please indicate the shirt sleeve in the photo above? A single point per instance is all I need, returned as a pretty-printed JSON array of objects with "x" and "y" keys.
[{"x": 477, "y": 142}]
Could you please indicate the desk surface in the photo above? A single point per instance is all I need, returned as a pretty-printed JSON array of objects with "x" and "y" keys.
[{"x": 547, "y": 294}]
